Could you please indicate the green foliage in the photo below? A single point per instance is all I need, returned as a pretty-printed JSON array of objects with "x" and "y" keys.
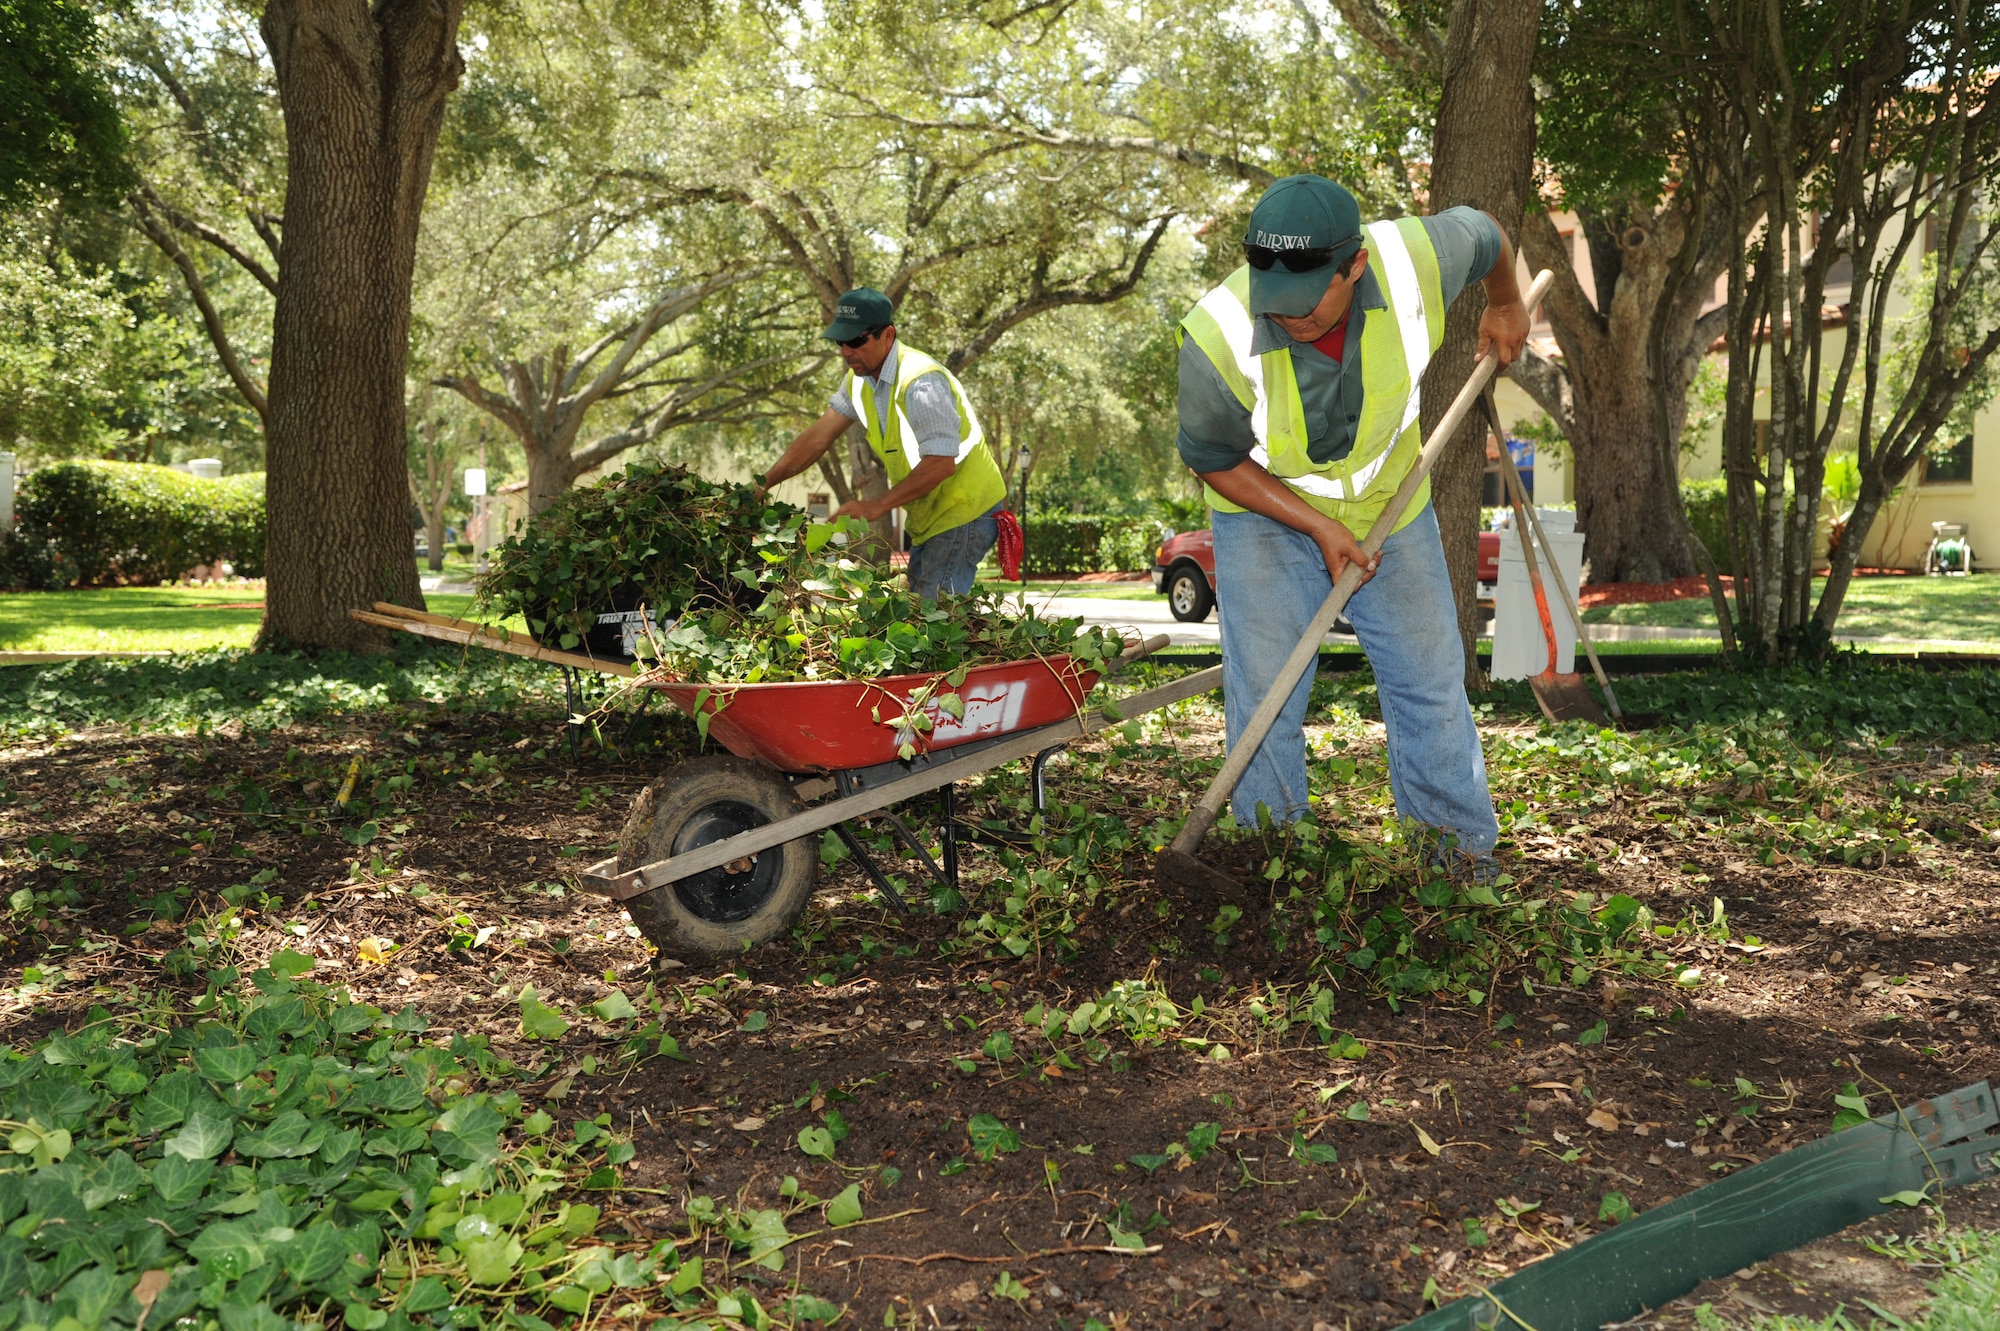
[
  {"x": 1851, "y": 1106},
  {"x": 62, "y": 130},
  {"x": 1060, "y": 543},
  {"x": 826, "y": 615},
  {"x": 1851, "y": 697},
  {"x": 263, "y": 691},
  {"x": 652, "y": 534},
  {"x": 1707, "y": 504},
  {"x": 94, "y": 523},
  {"x": 284, "y": 1150}
]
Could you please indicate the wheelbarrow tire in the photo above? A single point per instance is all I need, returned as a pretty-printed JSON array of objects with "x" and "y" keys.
[{"x": 717, "y": 913}]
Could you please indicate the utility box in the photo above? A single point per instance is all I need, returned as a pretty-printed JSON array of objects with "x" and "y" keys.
[{"x": 1519, "y": 647}]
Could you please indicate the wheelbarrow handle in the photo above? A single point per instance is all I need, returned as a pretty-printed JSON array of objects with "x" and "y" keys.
[{"x": 1202, "y": 817}]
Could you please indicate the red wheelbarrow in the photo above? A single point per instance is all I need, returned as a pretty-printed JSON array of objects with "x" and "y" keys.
[{"x": 722, "y": 851}]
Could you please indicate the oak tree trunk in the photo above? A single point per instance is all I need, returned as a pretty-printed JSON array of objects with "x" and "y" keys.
[
  {"x": 1626, "y": 496},
  {"x": 1483, "y": 155},
  {"x": 363, "y": 91}
]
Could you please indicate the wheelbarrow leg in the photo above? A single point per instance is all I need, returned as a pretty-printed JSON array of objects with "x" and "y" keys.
[
  {"x": 573, "y": 707},
  {"x": 910, "y": 840},
  {"x": 948, "y": 833},
  {"x": 860, "y": 852}
]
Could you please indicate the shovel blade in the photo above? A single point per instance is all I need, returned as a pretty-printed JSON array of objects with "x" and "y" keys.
[{"x": 1566, "y": 698}]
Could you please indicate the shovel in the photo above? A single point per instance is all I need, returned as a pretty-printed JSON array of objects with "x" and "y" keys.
[
  {"x": 1562, "y": 697},
  {"x": 1177, "y": 866}
]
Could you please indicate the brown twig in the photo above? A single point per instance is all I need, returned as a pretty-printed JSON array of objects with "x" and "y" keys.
[{"x": 1016, "y": 1257}]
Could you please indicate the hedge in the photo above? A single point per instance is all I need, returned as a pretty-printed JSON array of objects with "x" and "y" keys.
[
  {"x": 1063, "y": 543},
  {"x": 95, "y": 523},
  {"x": 1708, "y": 513}
]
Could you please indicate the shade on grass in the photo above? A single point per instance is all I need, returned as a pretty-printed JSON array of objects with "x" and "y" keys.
[
  {"x": 1930, "y": 609},
  {"x": 151, "y": 619}
]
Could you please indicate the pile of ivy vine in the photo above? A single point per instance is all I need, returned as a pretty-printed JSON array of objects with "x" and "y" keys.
[
  {"x": 825, "y": 614},
  {"x": 652, "y": 535},
  {"x": 291, "y": 1156}
]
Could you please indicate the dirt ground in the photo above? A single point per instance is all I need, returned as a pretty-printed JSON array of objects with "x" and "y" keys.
[{"x": 1888, "y": 975}]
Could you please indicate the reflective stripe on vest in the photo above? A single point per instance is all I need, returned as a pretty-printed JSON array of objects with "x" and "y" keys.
[
  {"x": 912, "y": 365},
  {"x": 1398, "y": 272}
]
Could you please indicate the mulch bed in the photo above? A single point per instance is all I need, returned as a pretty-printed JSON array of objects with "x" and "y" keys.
[{"x": 1246, "y": 1237}]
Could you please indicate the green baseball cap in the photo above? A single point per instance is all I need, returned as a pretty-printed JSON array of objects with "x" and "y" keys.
[
  {"x": 858, "y": 311},
  {"x": 1305, "y": 220}
]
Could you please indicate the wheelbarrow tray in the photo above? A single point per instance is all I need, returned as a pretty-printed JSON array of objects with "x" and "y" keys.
[{"x": 816, "y": 726}]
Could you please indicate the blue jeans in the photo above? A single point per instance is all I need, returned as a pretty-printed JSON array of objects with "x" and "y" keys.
[
  {"x": 949, "y": 561},
  {"x": 1272, "y": 579}
]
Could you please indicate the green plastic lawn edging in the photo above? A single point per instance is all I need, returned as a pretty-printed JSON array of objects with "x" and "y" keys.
[{"x": 1792, "y": 1199}]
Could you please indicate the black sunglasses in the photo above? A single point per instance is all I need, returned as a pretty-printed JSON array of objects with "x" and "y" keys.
[
  {"x": 1262, "y": 257},
  {"x": 856, "y": 343}
]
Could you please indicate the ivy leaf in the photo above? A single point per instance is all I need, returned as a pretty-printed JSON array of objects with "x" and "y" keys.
[
  {"x": 615, "y": 1006},
  {"x": 991, "y": 1137},
  {"x": 490, "y": 1261},
  {"x": 816, "y": 1142},
  {"x": 228, "y": 1064},
  {"x": 539, "y": 1021},
  {"x": 290, "y": 1136},
  {"x": 179, "y": 1182},
  {"x": 315, "y": 1253},
  {"x": 845, "y": 1208},
  {"x": 201, "y": 1138}
]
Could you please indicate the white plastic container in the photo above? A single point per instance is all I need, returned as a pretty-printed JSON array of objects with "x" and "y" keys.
[{"x": 1519, "y": 647}]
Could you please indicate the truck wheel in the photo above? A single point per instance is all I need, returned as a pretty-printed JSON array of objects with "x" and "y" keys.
[
  {"x": 1188, "y": 594},
  {"x": 718, "y": 912}
]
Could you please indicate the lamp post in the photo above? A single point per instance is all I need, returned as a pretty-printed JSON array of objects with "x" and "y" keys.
[{"x": 1024, "y": 461}]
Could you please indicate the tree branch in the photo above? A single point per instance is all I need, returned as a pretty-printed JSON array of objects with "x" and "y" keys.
[
  {"x": 194, "y": 227},
  {"x": 1421, "y": 55},
  {"x": 211, "y": 319},
  {"x": 1041, "y": 300}
]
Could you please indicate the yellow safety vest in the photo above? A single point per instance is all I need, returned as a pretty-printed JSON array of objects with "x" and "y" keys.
[
  {"x": 1396, "y": 345},
  {"x": 965, "y": 494}
]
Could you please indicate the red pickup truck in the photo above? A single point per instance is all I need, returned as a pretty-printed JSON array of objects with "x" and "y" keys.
[{"x": 1184, "y": 571}]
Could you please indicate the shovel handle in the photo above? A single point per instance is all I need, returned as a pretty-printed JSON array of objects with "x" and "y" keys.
[
  {"x": 1568, "y": 597},
  {"x": 1209, "y": 807}
]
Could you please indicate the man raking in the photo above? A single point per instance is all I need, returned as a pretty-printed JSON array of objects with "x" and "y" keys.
[{"x": 1299, "y": 409}]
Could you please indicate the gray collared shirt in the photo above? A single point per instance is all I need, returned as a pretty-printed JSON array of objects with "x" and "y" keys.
[
  {"x": 930, "y": 407},
  {"x": 1215, "y": 431}
]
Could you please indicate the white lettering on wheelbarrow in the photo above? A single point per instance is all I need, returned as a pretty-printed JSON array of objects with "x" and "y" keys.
[{"x": 990, "y": 709}]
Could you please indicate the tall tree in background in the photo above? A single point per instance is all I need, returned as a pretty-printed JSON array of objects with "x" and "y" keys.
[
  {"x": 1870, "y": 132},
  {"x": 1482, "y": 154},
  {"x": 1616, "y": 147},
  {"x": 364, "y": 93},
  {"x": 361, "y": 91}
]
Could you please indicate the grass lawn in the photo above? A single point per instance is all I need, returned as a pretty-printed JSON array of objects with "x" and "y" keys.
[
  {"x": 1103, "y": 591},
  {"x": 1947, "y": 609},
  {"x": 151, "y": 619}
]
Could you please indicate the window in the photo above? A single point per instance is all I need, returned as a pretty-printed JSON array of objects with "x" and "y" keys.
[
  {"x": 819, "y": 505},
  {"x": 1953, "y": 465}
]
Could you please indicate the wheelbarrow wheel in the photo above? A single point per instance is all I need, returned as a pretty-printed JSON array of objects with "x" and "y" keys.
[{"x": 719, "y": 912}]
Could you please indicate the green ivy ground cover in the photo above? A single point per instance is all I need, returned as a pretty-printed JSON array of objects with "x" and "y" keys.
[
  {"x": 281, "y": 1155},
  {"x": 204, "y": 690}
]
